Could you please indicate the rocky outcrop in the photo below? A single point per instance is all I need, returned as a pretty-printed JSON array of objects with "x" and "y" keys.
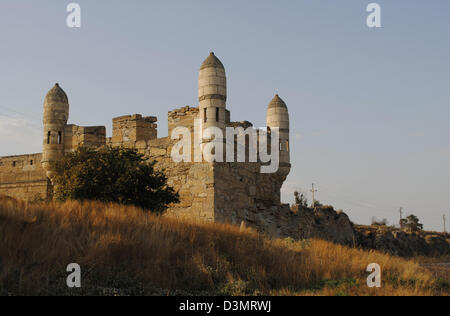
[
  {"x": 325, "y": 223},
  {"x": 303, "y": 223},
  {"x": 399, "y": 243}
]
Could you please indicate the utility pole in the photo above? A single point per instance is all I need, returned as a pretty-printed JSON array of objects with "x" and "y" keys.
[
  {"x": 445, "y": 228},
  {"x": 313, "y": 191},
  {"x": 401, "y": 218}
]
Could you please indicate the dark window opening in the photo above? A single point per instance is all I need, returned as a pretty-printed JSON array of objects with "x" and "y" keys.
[
  {"x": 49, "y": 134},
  {"x": 31, "y": 162},
  {"x": 14, "y": 163},
  {"x": 59, "y": 138},
  {"x": 217, "y": 114},
  {"x": 204, "y": 114}
]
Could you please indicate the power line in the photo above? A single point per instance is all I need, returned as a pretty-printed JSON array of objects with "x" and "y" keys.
[
  {"x": 33, "y": 117},
  {"x": 356, "y": 202},
  {"x": 359, "y": 203},
  {"x": 29, "y": 121}
]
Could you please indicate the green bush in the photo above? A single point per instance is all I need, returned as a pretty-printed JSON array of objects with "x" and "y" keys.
[{"x": 117, "y": 175}]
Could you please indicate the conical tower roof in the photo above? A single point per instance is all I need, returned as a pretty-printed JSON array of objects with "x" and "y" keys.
[
  {"x": 277, "y": 102},
  {"x": 212, "y": 61},
  {"x": 56, "y": 94}
]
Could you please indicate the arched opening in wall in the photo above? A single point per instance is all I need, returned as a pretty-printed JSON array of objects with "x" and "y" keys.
[
  {"x": 217, "y": 114},
  {"x": 49, "y": 134},
  {"x": 59, "y": 138},
  {"x": 204, "y": 115}
]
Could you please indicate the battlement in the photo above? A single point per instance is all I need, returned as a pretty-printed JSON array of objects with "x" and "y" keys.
[
  {"x": 133, "y": 128},
  {"x": 83, "y": 136},
  {"x": 184, "y": 116}
]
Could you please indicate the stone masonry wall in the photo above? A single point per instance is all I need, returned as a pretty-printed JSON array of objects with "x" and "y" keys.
[
  {"x": 194, "y": 182},
  {"x": 81, "y": 136},
  {"x": 244, "y": 194},
  {"x": 133, "y": 128},
  {"x": 182, "y": 117},
  {"x": 22, "y": 177}
]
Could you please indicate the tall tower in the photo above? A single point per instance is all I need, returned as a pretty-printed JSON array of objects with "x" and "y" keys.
[
  {"x": 212, "y": 93},
  {"x": 278, "y": 117},
  {"x": 56, "y": 114}
]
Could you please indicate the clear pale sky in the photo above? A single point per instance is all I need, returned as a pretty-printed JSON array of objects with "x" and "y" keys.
[{"x": 369, "y": 108}]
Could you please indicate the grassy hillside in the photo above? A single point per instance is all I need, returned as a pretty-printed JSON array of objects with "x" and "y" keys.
[{"x": 124, "y": 251}]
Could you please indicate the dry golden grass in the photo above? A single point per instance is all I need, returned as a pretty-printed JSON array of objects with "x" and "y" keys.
[{"x": 124, "y": 251}]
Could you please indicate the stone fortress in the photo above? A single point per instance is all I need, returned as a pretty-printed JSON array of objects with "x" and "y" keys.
[{"x": 209, "y": 191}]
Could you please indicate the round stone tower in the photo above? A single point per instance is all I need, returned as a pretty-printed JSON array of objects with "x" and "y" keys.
[
  {"x": 212, "y": 93},
  {"x": 56, "y": 114},
  {"x": 278, "y": 117}
]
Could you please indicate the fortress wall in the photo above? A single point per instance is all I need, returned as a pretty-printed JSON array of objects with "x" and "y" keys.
[
  {"x": 194, "y": 182},
  {"x": 130, "y": 129},
  {"x": 23, "y": 177},
  {"x": 84, "y": 136},
  {"x": 183, "y": 117},
  {"x": 242, "y": 192}
]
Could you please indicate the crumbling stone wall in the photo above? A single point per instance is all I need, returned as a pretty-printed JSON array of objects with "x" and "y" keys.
[
  {"x": 244, "y": 195},
  {"x": 22, "y": 177},
  {"x": 240, "y": 189},
  {"x": 182, "y": 117},
  {"x": 130, "y": 129},
  {"x": 82, "y": 136}
]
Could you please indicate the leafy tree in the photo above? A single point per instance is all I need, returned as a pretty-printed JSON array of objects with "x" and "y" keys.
[
  {"x": 411, "y": 223},
  {"x": 300, "y": 199},
  {"x": 116, "y": 175}
]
